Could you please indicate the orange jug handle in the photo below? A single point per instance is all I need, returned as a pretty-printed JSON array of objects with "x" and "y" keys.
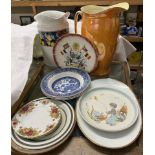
[{"x": 76, "y": 20}]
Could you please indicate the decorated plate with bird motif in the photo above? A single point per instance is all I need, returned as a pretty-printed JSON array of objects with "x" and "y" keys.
[
  {"x": 108, "y": 109},
  {"x": 74, "y": 50},
  {"x": 36, "y": 119}
]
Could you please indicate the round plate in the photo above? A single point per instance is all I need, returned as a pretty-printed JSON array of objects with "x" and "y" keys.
[
  {"x": 65, "y": 83},
  {"x": 36, "y": 119},
  {"x": 111, "y": 140},
  {"x": 74, "y": 50},
  {"x": 42, "y": 140},
  {"x": 52, "y": 140},
  {"x": 108, "y": 109}
]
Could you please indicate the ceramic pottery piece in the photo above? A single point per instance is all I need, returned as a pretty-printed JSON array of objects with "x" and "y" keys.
[
  {"x": 54, "y": 139},
  {"x": 50, "y": 38},
  {"x": 65, "y": 83},
  {"x": 108, "y": 109},
  {"x": 74, "y": 50},
  {"x": 52, "y": 21},
  {"x": 36, "y": 119},
  {"x": 100, "y": 24},
  {"x": 51, "y": 25},
  {"x": 112, "y": 140}
]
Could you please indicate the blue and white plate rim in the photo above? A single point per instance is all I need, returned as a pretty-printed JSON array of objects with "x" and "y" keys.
[{"x": 84, "y": 74}]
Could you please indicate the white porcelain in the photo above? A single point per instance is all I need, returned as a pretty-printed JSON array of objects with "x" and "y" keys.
[
  {"x": 36, "y": 119},
  {"x": 43, "y": 140},
  {"x": 73, "y": 50},
  {"x": 54, "y": 140},
  {"x": 111, "y": 140},
  {"x": 52, "y": 20},
  {"x": 48, "y": 56},
  {"x": 51, "y": 25},
  {"x": 108, "y": 109}
]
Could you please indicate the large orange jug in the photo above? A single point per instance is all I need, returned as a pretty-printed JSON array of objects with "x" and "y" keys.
[{"x": 101, "y": 26}]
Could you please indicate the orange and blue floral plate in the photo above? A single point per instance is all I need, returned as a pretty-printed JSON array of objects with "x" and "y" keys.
[{"x": 36, "y": 119}]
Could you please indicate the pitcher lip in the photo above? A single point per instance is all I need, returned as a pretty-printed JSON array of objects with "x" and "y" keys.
[
  {"x": 92, "y": 10},
  {"x": 51, "y": 14},
  {"x": 85, "y": 9}
]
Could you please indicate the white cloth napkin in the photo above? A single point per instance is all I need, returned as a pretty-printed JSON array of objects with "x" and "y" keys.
[{"x": 22, "y": 51}]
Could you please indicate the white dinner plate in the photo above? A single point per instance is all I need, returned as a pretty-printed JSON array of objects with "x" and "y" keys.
[
  {"x": 43, "y": 140},
  {"x": 108, "y": 109},
  {"x": 51, "y": 141},
  {"x": 111, "y": 140}
]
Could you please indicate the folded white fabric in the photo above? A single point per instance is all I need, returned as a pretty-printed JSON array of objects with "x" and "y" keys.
[
  {"x": 22, "y": 51},
  {"x": 21, "y": 57},
  {"x": 123, "y": 49}
]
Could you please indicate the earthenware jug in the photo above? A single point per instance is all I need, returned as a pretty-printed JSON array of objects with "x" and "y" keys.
[
  {"x": 51, "y": 25},
  {"x": 100, "y": 24}
]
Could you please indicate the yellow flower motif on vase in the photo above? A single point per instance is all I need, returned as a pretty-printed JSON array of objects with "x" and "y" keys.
[{"x": 49, "y": 38}]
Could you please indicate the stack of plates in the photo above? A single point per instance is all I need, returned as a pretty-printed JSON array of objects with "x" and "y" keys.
[
  {"x": 65, "y": 83},
  {"x": 109, "y": 114},
  {"x": 42, "y": 125}
]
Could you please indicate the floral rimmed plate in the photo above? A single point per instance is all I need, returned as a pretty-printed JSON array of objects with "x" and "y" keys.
[
  {"x": 36, "y": 119},
  {"x": 65, "y": 83},
  {"x": 74, "y": 50},
  {"x": 108, "y": 109},
  {"x": 52, "y": 140}
]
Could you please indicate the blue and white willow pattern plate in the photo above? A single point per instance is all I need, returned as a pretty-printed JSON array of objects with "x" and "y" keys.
[{"x": 65, "y": 83}]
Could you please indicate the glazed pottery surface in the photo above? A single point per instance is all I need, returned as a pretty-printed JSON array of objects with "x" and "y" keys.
[
  {"x": 101, "y": 26},
  {"x": 65, "y": 83},
  {"x": 108, "y": 109},
  {"x": 54, "y": 139},
  {"x": 74, "y": 50},
  {"x": 28, "y": 123},
  {"x": 112, "y": 140},
  {"x": 51, "y": 26},
  {"x": 52, "y": 21}
]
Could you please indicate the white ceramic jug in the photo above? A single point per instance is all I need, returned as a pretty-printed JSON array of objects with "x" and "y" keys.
[
  {"x": 52, "y": 21},
  {"x": 51, "y": 25}
]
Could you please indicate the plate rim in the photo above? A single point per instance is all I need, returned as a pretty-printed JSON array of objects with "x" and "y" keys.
[
  {"x": 102, "y": 129},
  {"x": 37, "y": 151},
  {"x": 76, "y": 35},
  {"x": 60, "y": 70}
]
